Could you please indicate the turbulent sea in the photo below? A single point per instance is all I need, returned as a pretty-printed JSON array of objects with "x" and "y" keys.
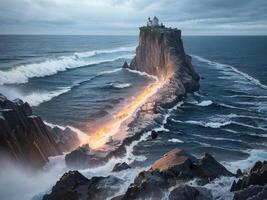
[{"x": 76, "y": 80}]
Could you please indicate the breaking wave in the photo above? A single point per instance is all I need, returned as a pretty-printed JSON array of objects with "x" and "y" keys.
[
  {"x": 225, "y": 67},
  {"x": 22, "y": 73}
]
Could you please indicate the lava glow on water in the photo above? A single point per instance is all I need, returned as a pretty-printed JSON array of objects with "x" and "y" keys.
[{"x": 98, "y": 138}]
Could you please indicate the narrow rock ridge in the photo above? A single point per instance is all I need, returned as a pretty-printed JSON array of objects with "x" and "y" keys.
[{"x": 26, "y": 140}]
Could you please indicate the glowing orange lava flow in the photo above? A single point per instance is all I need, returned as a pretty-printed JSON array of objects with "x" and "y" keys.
[{"x": 98, "y": 138}]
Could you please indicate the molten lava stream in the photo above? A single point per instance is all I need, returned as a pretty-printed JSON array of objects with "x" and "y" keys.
[{"x": 98, "y": 138}]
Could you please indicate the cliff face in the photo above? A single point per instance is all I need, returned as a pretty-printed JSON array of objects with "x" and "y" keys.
[
  {"x": 26, "y": 139},
  {"x": 161, "y": 53}
]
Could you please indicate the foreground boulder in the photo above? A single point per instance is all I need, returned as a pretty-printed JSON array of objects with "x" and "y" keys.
[
  {"x": 74, "y": 186},
  {"x": 253, "y": 192},
  {"x": 175, "y": 166},
  {"x": 185, "y": 192},
  {"x": 25, "y": 139},
  {"x": 252, "y": 186}
]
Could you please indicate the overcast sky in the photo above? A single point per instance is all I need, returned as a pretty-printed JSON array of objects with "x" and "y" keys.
[{"x": 122, "y": 17}]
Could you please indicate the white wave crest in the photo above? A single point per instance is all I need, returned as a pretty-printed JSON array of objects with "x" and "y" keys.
[
  {"x": 205, "y": 103},
  {"x": 209, "y": 124},
  {"x": 142, "y": 74},
  {"x": 225, "y": 66},
  {"x": 175, "y": 140},
  {"x": 121, "y": 85},
  {"x": 34, "y": 98},
  {"x": 22, "y": 73}
]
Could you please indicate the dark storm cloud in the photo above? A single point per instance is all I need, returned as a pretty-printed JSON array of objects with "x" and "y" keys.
[{"x": 123, "y": 16}]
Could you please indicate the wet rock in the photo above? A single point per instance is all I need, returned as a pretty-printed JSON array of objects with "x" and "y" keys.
[
  {"x": 239, "y": 173},
  {"x": 256, "y": 176},
  {"x": 185, "y": 192},
  {"x": 83, "y": 158},
  {"x": 74, "y": 186},
  {"x": 154, "y": 134},
  {"x": 174, "y": 166},
  {"x": 209, "y": 168},
  {"x": 253, "y": 192},
  {"x": 25, "y": 139},
  {"x": 125, "y": 65},
  {"x": 120, "y": 167}
]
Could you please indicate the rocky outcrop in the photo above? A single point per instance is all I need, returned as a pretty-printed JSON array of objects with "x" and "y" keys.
[
  {"x": 74, "y": 186},
  {"x": 252, "y": 186},
  {"x": 173, "y": 167},
  {"x": 25, "y": 139},
  {"x": 185, "y": 192},
  {"x": 120, "y": 167},
  {"x": 256, "y": 176},
  {"x": 161, "y": 53}
]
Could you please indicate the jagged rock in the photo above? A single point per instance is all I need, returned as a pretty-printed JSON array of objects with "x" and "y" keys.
[
  {"x": 256, "y": 176},
  {"x": 83, "y": 157},
  {"x": 239, "y": 173},
  {"x": 154, "y": 134},
  {"x": 25, "y": 139},
  {"x": 74, "y": 186},
  {"x": 185, "y": 192},
  {"x": 174, "y": 166},
  {"x": 253, "y": 192},
  {"x": 120, "y": 167},
  {"x": 125, "y": 65}
]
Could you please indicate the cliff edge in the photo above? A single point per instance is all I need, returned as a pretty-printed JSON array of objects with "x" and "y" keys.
[
  {"x": 26, "y": 140},
  {"x": 161, "y": 53}
]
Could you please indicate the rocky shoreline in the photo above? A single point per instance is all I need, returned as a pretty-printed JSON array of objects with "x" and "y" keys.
[{"x": 167, "y": 178}]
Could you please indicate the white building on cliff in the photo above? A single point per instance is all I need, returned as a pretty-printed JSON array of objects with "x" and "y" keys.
[{"x": 154, "y": 22}]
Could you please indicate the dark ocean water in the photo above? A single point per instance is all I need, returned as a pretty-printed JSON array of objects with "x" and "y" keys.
[{"x": 75, "y": 80}]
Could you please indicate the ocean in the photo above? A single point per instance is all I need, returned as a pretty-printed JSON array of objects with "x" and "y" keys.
[{"x": 78, "y": 80}]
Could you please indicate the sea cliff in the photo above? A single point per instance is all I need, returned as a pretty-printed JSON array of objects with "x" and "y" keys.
[
  {"x": 26, "y": 140},
  {"x": 161, "y": 53}
]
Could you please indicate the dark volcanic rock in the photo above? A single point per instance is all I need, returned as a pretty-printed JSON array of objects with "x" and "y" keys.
[
  {"x": 256, "y": 176},
  {"x": 185, "y": 192},
  {"x": 25, "y": 139},
  {"x": 125, "y": 65},
  {"x": 120, "y": 167},
  {"x": 154, "y": 134},
  {"x": 173, "y": 167},
  {"x": 74, "y": 186},
  {"x": 82, "y": 158},
  {"x": 253, "y": 192}
]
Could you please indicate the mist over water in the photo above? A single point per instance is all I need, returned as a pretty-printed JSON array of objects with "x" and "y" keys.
[{"x": 77, "y": 80}]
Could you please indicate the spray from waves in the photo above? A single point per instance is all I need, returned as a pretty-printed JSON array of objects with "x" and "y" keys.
[
  {"x": 225, "y": 66},
  {"x": 22, "y": 73},
  {"x": 142, "y": 74}
]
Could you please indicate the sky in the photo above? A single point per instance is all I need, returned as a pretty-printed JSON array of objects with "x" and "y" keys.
[{"x": 123, "y": 17}]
